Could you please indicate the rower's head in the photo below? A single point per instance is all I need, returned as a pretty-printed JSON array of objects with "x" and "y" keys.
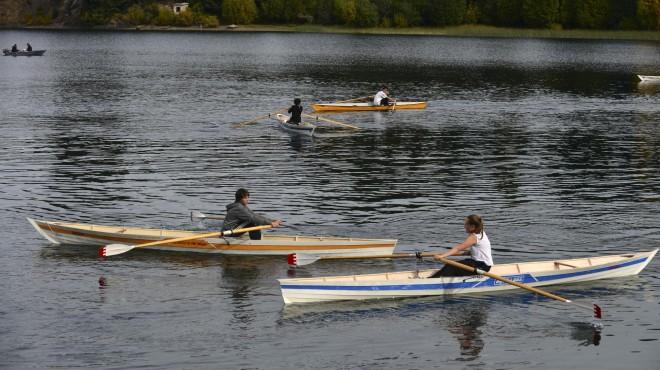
[
  {"x": 385, "y": 89},
  {"x": 242, "y": 196},
  {"x": 296, "y": 101},
  {"x": 474, "y": 224}
]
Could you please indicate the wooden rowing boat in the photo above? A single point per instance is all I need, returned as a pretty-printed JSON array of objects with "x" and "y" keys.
[
  {"x": 418, "y": 283},
  {"x": 356, "y": 107},
  {"x": 304, "y": 128},
  {"x": 100, "y": 235},
  {"x": 643, "y": 78},
  {"x": 25, "y": 53}
]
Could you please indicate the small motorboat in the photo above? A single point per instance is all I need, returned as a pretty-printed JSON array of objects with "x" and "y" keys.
[{"x": 23, "y": 53}]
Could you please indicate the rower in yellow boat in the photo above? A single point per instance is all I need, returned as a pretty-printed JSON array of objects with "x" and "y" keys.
[{"x": 382, "y": 97}]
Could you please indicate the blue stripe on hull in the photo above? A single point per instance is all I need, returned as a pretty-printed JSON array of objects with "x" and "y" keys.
[{"x": 521, "y": 278}]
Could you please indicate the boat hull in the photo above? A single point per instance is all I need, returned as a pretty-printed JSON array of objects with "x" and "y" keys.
[
  {"x": 653, "y": 79},
  {"x": 100, "y": 235},
  {"x": 23, "y": 53},
  {"x": 417, "y": 283},
  {"x": 304, "y": 128},
  {"x": 357, "y": 107}
]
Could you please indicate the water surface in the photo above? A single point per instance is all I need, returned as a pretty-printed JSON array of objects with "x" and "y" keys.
[{"x": 554, "y": 142}]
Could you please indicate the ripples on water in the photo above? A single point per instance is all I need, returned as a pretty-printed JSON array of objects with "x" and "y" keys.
[{"x": 554, "y": 142}]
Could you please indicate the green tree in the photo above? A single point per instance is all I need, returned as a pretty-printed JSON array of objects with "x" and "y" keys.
[
  {"x": 135, "y": 15},
  {"x": 592, "y": 13},
  {"x": 540, "y": 13},
  {"x": 408, "y": 11},
  {"x": 366, "y": 14},
  {"x": 345, "y": 11},
  {"x": 508, "y": 12},
  {"x": 446, "y": 12},
  {"x": 239, "y": 11},
  {"x": 165, "y": 16},
  {"x": 282, "y": 10},
  {"x": 648, "y": 14}
]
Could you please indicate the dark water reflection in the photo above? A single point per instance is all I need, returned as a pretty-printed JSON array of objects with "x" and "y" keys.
[{"x": 554, "y": 142}]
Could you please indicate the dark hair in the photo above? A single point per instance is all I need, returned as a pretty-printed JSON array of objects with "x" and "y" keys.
[
  {"x": 241, "y": 193},
  {"x": 384, "y": 88},
  {"x": 296, "y": 101},
  {"x": 477, "y": 222}
]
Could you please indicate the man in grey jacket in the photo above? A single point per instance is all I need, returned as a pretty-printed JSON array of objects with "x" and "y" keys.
[{"x": 239, "y": 216}]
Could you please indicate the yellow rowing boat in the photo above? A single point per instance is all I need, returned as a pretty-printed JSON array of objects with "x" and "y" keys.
[{"x": 359, "y": 107}]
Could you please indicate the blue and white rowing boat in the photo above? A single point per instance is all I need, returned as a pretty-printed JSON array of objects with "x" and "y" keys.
[{"x": 418, "y": 283}]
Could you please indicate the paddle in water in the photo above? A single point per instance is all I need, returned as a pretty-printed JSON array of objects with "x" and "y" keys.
[{"x": 114, "y": 249}]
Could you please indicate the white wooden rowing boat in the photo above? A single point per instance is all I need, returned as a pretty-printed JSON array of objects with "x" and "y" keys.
[
  {"x": 643, "y": 78},
  {"x": 304, "y": 128},
  {"x": 417, "y": 283},
  {"x": 100, "y": 235}
]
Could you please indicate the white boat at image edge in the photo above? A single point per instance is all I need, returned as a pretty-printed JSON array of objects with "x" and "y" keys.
[
  {"x": 418, "y": 283},
  {"x": 646, "y": 78}
]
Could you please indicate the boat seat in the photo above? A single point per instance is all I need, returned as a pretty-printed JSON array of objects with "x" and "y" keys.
[{"x": 564, "y": 264}]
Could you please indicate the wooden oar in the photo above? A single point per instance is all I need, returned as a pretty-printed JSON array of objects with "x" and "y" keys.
[
  {"x": 595, "y": 309},
  {"x": 255, "y": 120},
  {"x": 332, "y": 121},
  {"x": 302, "y": 259},
  {"x": 394, "y": 105},
  {"x": 114, "y": 249},
  {"x": 350, "y": 100},
  {"x": 197, "y": 214}
]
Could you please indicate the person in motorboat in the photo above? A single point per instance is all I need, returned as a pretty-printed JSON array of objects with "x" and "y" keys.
[
  {"x": 29, "y": 47},
  {"x": 240, "y": 216},
  {"x": 382, "y": 97},
  {"x": 296, "y": 112},
  {"x": 14, "y": 49},
  {"x": 479, "y": 250}
]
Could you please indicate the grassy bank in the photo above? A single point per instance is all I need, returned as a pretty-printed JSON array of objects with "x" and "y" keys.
[{"x": 459, "y": 31}]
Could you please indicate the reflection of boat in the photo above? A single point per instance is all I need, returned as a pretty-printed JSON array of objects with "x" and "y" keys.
[
  {"x": 355, "y": 107},
  {"x": 26, "y": 53},
  {"x": 99, "y": 235},
  {"x": 304, "y": 128},
  {"x": 417, "y": 283},
  {"x": 643, "y": 78}
]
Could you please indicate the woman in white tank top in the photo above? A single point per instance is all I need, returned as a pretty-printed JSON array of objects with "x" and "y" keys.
[{"x": 479, "y": 250}]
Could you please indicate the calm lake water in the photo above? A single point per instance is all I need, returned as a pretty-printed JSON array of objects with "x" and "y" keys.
[{"x": 554, "y": 142}]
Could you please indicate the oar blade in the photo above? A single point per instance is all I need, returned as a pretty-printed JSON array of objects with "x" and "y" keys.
[
  {"x": 598, "y": 312},
  {"x": 301, "y": 259},
  {"x": 114, "y": 249},
  {"x": 196, "y": 214}
]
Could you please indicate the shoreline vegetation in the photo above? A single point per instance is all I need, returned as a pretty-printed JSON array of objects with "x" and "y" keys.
[{"x": 451, "y": 31}]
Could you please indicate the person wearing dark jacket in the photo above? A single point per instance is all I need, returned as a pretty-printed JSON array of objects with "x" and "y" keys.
[
  {"x": 14, "y": 48},
  {"x": 296, "y": 112},
  {"x": 240, "y": 216},
  {"x": 29, "y": 47}
]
